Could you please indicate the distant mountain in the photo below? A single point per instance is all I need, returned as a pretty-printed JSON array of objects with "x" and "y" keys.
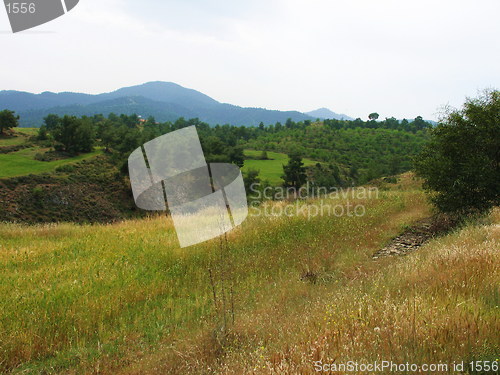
[
  {"x": 325, "y": 113},
  {"x": 165, "y": 101},
  {"x": 166, "y": 92},
  {"x": 124, "y": 105},
  {"x": 21, "y": 101}
]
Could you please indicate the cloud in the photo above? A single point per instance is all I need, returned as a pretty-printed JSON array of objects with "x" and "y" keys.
[{"x": 399, "y": 58}]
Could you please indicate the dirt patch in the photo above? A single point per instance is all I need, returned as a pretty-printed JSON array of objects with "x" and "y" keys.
[{"x": 417, "y": 235}]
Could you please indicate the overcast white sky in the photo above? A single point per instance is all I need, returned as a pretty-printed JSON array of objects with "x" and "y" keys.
[{"x": 400, "y": 58}]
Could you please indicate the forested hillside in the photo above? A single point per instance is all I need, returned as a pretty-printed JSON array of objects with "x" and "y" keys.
[
  {"x": 336, "y": 153},
  {"x": 369, "y": 149}
]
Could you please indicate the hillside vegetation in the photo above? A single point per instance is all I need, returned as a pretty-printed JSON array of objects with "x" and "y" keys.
[
  {"x": 124, "y": 299},
  {"x": 368, "y": 150},
  {"x": 22, "y": 163},
  {"x": 19, "y": 152},
  {"x": 38, "y": 182}
]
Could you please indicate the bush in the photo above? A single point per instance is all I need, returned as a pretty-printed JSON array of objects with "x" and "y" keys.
[
  {"x": 68, "y": 168},
  {"x": 461, "y": 164},
  {"x": 39, "y": 157}
]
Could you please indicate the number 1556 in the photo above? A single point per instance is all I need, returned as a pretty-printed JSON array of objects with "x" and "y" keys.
[{"x": 22, "y": 8}]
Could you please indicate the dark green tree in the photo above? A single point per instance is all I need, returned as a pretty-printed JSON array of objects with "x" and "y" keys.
[
  {"x": 251, "y": 177},
  {"x": 42, "y": 133},
  {"x": 235, "y": 155},
  {"x": 8, "y": 120},
  {"x": 325, "y": 176},
  {"x": 373, "y": 116},
  {"x": 294, "y": 172},
  {"x": 52, "y": 122},
  {"x": 107, "y": 134},
  {"x": 461, "y": 164},
  {"x": 74, "y": 135}
]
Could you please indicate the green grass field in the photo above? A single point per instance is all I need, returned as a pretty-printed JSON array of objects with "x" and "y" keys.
[
  {"x": 270, "y": 170},
  {"x": 21, "y": 137},
  {"x": 12, "y": 141},
  {"x": 125, "y": 299},
  {"x": 22, "y": 162}
]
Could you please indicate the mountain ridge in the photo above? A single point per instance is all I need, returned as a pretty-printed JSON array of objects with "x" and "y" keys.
[{"x": 166, "y": 101}]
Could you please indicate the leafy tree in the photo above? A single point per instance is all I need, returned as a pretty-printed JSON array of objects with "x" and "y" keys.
[
  {"x": 391, "y": 123},
  {"x": 42, "y": 133},
  {"x": 461, "y": 164},
  {"x": 236, "y": 156},
  {"x": 74, "y": 135},
  {"x": 126, "y": 139},
  {"x": 325, "y": 176},
  {"x": 294, "y": 172},
  {"x": 213, "y": 145},
  {"x": 373, "y": 116},
  {"x": 52, "y": 122},
  {"x": 107, "y": 134},
  {"x": 8, "y": 120},
  {"x": 251, "y": 177},
  {"x": 394, "y": 164}
]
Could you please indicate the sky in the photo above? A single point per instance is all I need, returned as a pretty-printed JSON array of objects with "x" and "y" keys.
[{"x": 400, "y": 58}]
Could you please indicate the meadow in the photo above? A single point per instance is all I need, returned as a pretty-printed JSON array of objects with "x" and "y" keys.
[
  {"x": 125, "y": 299},
  {"x": 23, "y": 162},
  {"x": 21, "y": 137},
  {"x": 272, "y": 169}
]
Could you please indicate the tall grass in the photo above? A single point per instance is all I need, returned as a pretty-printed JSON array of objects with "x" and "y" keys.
[{"x": 124, "y": 298}]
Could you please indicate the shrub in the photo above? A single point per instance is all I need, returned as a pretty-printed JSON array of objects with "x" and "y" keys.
[{"x": 461, "y": 164}]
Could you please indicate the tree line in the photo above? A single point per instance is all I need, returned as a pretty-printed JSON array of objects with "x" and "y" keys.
[{"x": 351, "y": 151}]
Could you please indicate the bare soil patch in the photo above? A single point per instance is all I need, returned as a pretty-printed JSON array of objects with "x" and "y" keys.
[{"x": 417, "y": 235}]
